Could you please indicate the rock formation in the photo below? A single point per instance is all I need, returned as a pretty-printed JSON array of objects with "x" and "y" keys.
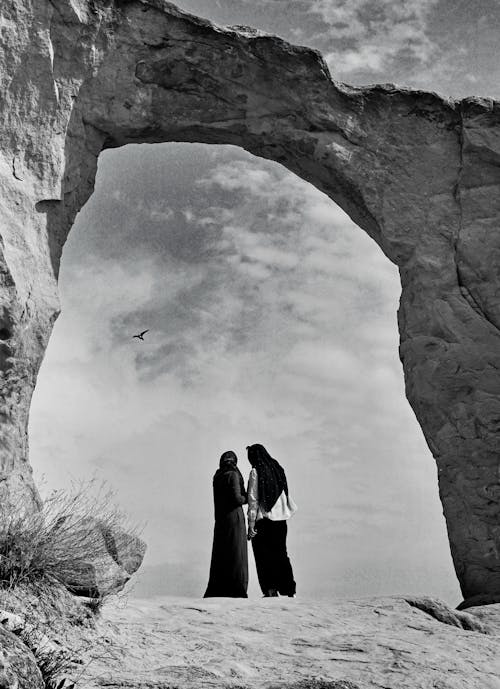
[
  {"x": 418, "y": 173},
  {"x": 294, "y": 644},
  {"x": 110, "y": 556},
  {"x": 18, "y": 667}
]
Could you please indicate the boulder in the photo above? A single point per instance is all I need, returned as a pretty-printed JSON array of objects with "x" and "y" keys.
[
  {"x": 104, "y": 560},
  {"x": 443, "y": 613},
  {"x": 18, "y": 667}
]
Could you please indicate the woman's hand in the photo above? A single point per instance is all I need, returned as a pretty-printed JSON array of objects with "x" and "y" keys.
[{"x": 251, "y": 533}]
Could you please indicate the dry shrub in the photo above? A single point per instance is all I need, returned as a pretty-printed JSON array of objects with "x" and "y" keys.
[
  {"x": 45, "y": 556},
  {"x": 74, "y": 540},
  {"x": 55, "y": 545}
]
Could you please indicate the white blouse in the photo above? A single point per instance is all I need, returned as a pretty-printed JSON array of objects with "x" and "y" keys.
[{"x": 283, "y": 508}]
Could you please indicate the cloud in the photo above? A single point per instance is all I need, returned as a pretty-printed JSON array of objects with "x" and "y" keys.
[
  {"x": 373, "y": 35},
  {"x": 437, "y": 45}
]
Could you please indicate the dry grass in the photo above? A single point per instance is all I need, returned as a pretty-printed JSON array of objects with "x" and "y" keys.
[
  {"x": 56, "y": 545},
  {"x": 55, "y": 667},
  {"x": 46, "y": 556}
]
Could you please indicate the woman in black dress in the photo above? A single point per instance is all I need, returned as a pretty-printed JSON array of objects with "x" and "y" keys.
[{"x": 229, "y": 566}]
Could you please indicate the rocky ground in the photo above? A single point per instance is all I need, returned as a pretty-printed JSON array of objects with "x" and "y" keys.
[{"x": 304, "y": 644}]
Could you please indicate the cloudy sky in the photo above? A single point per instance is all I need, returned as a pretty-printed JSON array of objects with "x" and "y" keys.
[{"x": 272, "y": 319}]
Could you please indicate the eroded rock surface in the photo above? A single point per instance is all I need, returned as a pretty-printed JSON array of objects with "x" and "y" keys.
[
  {"x": 420, "y": 174},
  {"x": 111, "y": 556},
  {"x": 18, "y": 668},
  {"x": 443, "y": 613},
  {"x": 292, "y": 644}
]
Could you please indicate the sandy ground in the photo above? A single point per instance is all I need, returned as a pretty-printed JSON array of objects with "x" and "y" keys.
[{"x": 281, "y": 642}]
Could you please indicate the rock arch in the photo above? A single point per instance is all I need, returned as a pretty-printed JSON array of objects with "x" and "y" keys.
[{"x": 420, "y": 174}]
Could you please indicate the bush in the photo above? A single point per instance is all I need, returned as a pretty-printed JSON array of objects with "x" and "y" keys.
[
  {"x": 79, "y": 542},
  {"x": 55, "y": 545}
]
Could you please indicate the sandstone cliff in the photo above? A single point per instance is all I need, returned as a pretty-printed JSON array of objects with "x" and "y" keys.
[{"x": 418, "y": 173}]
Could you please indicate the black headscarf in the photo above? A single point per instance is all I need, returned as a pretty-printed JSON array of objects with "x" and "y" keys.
[
  {"x": 271, "y": 476},
  {"x": 228, "y": 462}
]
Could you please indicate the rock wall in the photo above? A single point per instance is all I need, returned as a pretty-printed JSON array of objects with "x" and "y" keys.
[{"x": 418, "y": 173}]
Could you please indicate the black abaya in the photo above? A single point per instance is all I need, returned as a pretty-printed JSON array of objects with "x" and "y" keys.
[{"x": 229, "y": 565}]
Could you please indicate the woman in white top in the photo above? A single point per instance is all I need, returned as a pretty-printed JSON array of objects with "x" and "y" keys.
[{"x": 269, "y": 507}]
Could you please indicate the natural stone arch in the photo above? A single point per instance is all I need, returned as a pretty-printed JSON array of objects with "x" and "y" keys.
[{"x": 417, "y": 172}]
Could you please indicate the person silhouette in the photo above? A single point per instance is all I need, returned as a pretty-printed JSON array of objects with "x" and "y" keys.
[
  {"x": 269, "y": 508},
  {"x": 229, "y": 563}
]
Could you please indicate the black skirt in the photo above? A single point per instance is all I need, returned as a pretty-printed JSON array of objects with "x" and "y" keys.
[{"x": 229, "y": 565}]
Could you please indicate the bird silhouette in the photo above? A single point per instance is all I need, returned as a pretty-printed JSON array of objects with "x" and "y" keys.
[{"x": 141, "y": 335}]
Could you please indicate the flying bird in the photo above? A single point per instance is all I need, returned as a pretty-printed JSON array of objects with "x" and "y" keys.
[{"x": 141, "y": 335}]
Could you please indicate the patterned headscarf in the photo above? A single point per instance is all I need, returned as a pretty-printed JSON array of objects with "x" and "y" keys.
[{"x": 271, "y": 476}]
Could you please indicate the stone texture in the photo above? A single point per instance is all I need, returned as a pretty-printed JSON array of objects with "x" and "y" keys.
[
  {"x": 489, "y": 616},
  {"x": 53, "y": 624},
  {"x": 420, "y": 174},
  {"x": 18, "y": 668},
  {"x": 107, "y": 558},
  {"x": 283, "y": 643},
  {"x": 11, "y": 621},
  {"x": 443, "y": 613}
]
